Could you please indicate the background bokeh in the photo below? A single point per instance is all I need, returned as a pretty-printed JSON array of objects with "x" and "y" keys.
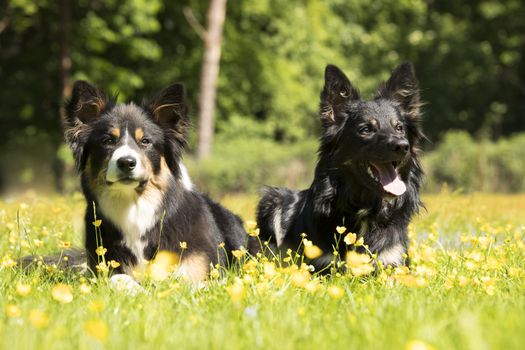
[{"x": 468, "y": 57}]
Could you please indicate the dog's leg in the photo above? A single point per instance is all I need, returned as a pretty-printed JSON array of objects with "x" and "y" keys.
[
  {"x": 392, "y": 256},
  {"x": 125, "y": 283},
  {"x": 194, "y": 268}
]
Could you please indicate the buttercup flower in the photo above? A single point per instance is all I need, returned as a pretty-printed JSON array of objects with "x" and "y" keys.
[{"x": 62, "y": 293}]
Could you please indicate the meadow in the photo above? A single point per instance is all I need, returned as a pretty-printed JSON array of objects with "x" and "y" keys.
[{"x": 465, "y": 289}]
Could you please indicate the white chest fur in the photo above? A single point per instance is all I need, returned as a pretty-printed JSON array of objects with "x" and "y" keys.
[{"x": 134, "y": 215}]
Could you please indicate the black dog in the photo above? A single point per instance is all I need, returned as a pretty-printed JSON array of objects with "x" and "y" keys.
[
  {"x": 129, "y": 157},
  {"x": 367, "y": 177}
]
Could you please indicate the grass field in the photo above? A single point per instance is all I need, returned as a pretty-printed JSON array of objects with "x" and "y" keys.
[{"x": 466, "y": 290}]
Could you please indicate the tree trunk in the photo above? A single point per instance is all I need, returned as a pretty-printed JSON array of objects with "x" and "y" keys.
[
  {"x": 64, "y": 32},
  {"x": 209, "y": 76}
]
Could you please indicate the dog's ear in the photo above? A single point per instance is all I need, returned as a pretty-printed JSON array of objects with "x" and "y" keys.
[
  {"x": 336, "y": 93},
  {"x": 403, "y": 87},
  {"x": 85, "y": 106},
  {"x": 170, "y": 111},
  {"x": 86, "y": 103}
]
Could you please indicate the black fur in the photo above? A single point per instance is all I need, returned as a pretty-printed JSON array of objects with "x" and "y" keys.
[
  {"x": 355, "y": 133},
  {"x": 96, "y": 127}
]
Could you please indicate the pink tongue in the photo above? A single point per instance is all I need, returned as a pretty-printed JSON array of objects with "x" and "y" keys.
[{"x": 389, "y": 178}]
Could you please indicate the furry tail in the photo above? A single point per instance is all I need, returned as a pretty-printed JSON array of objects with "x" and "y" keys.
[{"x": 72, "y": 260}]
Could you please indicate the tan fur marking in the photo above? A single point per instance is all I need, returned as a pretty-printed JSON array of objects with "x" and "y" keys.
[
  {"x": 173, "y": 106},
  {"x": 194, "y": 267},
  {"x": 161, "y": 180},
  {"x": 115, "y": 132},
  {"x": 139, "y": 134},
  {"x": 373, "y": 122}
]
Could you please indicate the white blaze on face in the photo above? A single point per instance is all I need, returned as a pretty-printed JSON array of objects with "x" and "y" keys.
[{"x": 113, "y": 173}]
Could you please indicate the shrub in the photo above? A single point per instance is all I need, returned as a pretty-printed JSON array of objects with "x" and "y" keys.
[
  {"x": 460, "y": 162},
  {"x": 245, "y": 165}
]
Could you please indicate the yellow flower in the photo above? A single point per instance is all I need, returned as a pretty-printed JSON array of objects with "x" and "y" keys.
[
  {"x": 62, "y": 293},
  {"x": 362, "y": 270},
  {"x": 360, "y": 242},
  {"x": 236, "y": 291},
  {"x": 250, "y": 224},
  {"x": 514, "y": 271},
  {"x": 307, "y": 243},
  {"x": 335, "y": 292},
  {"x": 97, "y": 223},
  {"x": 312, "y": 286},
  {"x": 38, "y": 319},
  {"x": 183, "y": 245},
  {"x": 412, "y": 281},
  {"x": 354, "y": 259},
  {"x": 350, "y": 238},
  {"x": 84, "y": 288},
  {"x": 254, "y": 233},
  {"x": 23, "y": 289},
  {"x": 114, "y": 264},
  {"x": 8, "y": 262},
  {"x": 163, "y": 265},
  {"x": 340, "y": 229},
  {"x": 312, "y": 251},
  {"x": 101, "y": 267},
  {"x": 222, "y": 245},
  {"x": 269, "y": 270},
  {"x": 238, "y": 253},
  {"x": 300, "y": 279},
  {"x": 359, "y": 264},
  {"x": 96, "y": 329},
  {"x": 418, "y": 345},
  {"x": 64, "y": 244},
  {"x": 214, "y": 273},
  {"x": 463, "y": 281},
  {"x": 101, "y": 251},
  {"x": 13, "y": 311},
  {"x": 250, "y": 266}
]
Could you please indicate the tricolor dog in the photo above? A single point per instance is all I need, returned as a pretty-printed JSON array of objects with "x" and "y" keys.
[{"x": 129, "y": 158}]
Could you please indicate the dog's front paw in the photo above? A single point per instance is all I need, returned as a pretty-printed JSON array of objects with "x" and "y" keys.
[{"x": 125, "y": 283}]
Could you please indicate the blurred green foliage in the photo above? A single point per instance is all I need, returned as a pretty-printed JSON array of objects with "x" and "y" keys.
[
  {"x": 461, "y": 162},
  {"x": 245, "y": 165},
  {"x": 468, "y": 57}
]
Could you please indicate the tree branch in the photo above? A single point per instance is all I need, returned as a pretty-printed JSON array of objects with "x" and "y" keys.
[{"x": 194, "y": 23}]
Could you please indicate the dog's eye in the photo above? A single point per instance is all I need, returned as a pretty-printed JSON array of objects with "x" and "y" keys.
[
  {"x": 399, "y": 127},
  {"x": 365, "y": 130},
  {"x": 108, "y": 141},
  {"x": 145, "y": 141}
]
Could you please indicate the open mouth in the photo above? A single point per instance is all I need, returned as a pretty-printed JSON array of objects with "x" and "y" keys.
[{"x": 386, "y": 176}]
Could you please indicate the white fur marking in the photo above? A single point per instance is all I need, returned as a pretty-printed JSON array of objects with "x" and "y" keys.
[
  {"x": 392, "y": 255},
  {"x": 279, "y": 234},
  {"x": 133, "y": 214},
  {"x": 125, "y": 283},
  {"x": 363, "y": 228},
  {"x": 185, "y": 178},
  {"x": 113, "y": 174}
]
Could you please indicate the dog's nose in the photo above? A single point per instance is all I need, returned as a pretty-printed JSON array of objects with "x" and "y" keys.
[
  {"x": 126, "y": 163},
  {"x": 400, "y": 146}
]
